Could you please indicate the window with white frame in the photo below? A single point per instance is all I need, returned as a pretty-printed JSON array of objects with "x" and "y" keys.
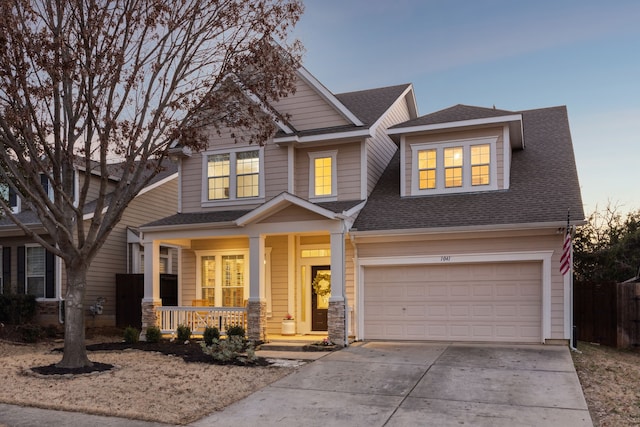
[
  {"x": 35, "y": 271},
  {"x": 455, "y": 166},
  {"x": 323, "y": 174},
  {"x": 223, "y": 278},
  {"x": 233, "y": 175},
  {"x": 10, "y": 197}
]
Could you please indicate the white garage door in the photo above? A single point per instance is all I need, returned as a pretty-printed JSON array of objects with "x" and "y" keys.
[{"x": 456, "y": 302}]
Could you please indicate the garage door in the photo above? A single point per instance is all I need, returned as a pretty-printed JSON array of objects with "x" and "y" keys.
[{"x": 456, "y": 302}]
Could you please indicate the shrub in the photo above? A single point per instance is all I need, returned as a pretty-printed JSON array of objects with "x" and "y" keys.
[
  {"x": 16, "y": 309},
  {"x": 131, "y": 335},
  {"x": 235, "y": 331},
  {"x": 153, "y": 334},
  {"x": 183, "y": 333},
  {"x": 210, "y": 333},
  {"x": 229, "y": 349},
  {"x": 30, "y": 333}
]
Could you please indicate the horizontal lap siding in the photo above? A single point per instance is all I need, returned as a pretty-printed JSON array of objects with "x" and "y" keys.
[
  {"x": 308, "y": 110},
  {"x": 279, "y": 282},
  {"x": 112, "y": 257},
  {"x": 479, "y": 245},
  {"x": 276, "y": 170},
  {"x": 380, "y": 148},
  {"x": 348, "y": 170},
  {"x": 187, "y": 278}
]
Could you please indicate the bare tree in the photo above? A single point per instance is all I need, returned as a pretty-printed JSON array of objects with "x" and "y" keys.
[{"x": 82, "y": 81}]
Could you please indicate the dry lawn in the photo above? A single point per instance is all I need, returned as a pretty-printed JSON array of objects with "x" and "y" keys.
[
  {"x": 145, "y": 386},
  {"x": 610, "y": 380}
]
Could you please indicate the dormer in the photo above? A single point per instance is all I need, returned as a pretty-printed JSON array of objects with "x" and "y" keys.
[{"x": 461, "y": 149}]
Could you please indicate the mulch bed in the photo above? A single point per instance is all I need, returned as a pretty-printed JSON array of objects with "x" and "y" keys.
[{"x": 190, "y": 352}]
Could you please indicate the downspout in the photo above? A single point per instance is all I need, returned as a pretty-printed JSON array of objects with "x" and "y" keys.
[
  {"x": 356, "y": 283},
  {"x": 59, "y": 290}
]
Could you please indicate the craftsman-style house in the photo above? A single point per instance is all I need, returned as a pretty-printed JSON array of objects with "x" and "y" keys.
[{"x": 361, "y": 220}]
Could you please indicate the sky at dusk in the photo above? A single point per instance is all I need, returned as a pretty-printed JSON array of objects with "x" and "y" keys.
[{"x": 515, "y": 55}]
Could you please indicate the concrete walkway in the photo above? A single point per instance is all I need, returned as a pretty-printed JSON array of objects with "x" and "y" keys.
[{"x": 394, "y": 384}]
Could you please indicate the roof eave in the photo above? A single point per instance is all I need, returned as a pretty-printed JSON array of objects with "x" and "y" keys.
[
  {"x": 466, "y": 229},
  {"x": 334, "y": 136}
]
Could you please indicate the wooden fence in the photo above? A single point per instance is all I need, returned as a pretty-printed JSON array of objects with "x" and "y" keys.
[{"x": 608, "y": 313}]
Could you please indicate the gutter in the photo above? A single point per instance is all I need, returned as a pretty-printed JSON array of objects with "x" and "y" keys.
[{"x": 488, "y": 228}]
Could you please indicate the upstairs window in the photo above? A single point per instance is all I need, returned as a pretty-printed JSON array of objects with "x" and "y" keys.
[
  {"x": 233, "y": 175},
  {"x": 480, "y": 164},
  {"x": 453, "y": 162},
  {"x": 427, "y": 169},
  {"x": 454, "y": 167},
  {"x": 323, "y": 175}
]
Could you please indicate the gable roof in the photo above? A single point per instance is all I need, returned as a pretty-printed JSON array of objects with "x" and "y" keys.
[
  {"x": 234, "y": 218},
  {"x": 368, "y": 105},
  {"x": 460, "y": 116},
  {"x": 457, "y": 113},
  {"x": 543, "y": 186}
]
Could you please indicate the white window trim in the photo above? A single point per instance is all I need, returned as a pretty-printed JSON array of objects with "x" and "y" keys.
[
  {"x": 205, "y": 202},
  {"x": 313, "y": 155},
  {"x": 26, "y": 277},
  {"x": 466, "y": 167},
  {"x": 218, "y": 255}
]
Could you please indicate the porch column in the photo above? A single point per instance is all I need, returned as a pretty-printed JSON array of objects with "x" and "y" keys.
[
  {"x": 337, "y": 302},
  {"x": 257, "y": 303},
  {"x": 151, "y": 298}
]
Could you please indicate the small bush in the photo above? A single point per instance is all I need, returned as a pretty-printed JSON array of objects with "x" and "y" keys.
[
  {"x": 16, "y": 309},
  {"x": 183, "y": 333},
  {"x": 30, "y": 333},
  {"x": 235, "y": 331},
  {"x": 229, "y": 349},
  {"x": 153, "y": 334},
  {"x": 131, "y": 335},
  {"x": 210, "y": 333}
]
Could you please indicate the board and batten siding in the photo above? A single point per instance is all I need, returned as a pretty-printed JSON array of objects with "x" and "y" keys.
[
  {"x": 380, "y": 148},
  {"x": 112, "y": 257},
  {"x": 487, "y": 245},
  {"x": 307, "y": 109}
]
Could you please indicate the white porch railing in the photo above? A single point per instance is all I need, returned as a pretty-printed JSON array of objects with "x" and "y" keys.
[{"x": 198, "y": 318}]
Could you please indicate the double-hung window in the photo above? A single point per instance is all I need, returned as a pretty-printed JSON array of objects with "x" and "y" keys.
[
  {"x": 233, "y": 175},
  {"x": 454, "y": 166},
  {"x": 323, "y": 175},
  {"x": 223, "y": 278},
  {"x": 35, "y": 271}
]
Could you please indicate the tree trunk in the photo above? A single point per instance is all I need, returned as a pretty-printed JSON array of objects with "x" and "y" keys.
[{"x": 75, "y": 351}]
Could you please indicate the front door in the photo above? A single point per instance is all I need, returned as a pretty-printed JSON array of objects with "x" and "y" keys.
[{"x": 320, "y": 290}]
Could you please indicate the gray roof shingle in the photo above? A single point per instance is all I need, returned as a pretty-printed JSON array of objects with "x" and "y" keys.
[
  {"x": 457, "y": 113},
  {"x": 544, "y": 184}
]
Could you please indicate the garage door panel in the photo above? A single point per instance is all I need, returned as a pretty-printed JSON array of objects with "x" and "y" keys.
[{"x": 475, "y": 302}]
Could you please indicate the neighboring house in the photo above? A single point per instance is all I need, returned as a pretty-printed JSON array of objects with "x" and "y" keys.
[
  {"x": 361, "y": 220},
  {"x": 28, "y": 268}
]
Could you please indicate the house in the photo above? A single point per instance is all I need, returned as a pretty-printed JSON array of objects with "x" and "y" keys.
[
  {"x": 362, "y": 220},
  {"x": 28, "y": 268}
]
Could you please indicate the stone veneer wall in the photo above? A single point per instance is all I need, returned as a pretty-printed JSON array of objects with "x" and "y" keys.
[
  {"x": 149, "y": 316},
  {"x": 257, "y": 320},
  {"x": 336, "y": 320}
]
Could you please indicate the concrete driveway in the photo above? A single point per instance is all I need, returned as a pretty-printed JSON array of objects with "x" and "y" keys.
[{"x": 426, "y": 384}]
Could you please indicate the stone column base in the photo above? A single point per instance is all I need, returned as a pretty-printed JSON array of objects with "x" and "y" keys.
[
  {"x": 149, "y": 317},
  {"x": 257, "y": 320},
  {"x": 336, "y": 320}
]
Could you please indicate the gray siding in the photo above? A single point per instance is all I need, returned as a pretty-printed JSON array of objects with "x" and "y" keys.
[{"x": 380, "y": 148}]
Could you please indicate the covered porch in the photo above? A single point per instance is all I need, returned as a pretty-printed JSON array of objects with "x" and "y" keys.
[{"x": 288, "y": 261}]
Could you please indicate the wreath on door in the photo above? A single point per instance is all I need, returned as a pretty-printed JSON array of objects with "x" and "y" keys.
[{"x": 318, "y": 287}]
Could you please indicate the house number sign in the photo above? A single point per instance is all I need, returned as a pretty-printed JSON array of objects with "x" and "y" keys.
[{"x": 445, "y": 258}]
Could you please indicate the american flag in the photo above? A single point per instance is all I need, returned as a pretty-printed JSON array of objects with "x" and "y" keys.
[{"x": 567, "y": 249}]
